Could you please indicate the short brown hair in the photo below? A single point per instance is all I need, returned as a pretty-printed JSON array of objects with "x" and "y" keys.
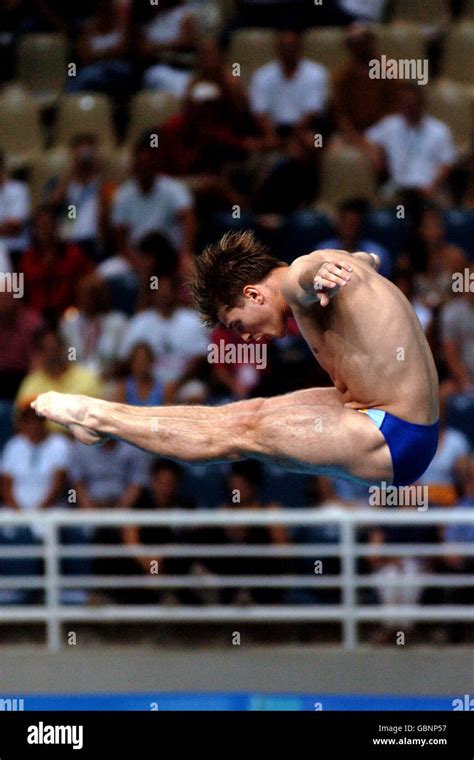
[{"x": 224, "y": 268}]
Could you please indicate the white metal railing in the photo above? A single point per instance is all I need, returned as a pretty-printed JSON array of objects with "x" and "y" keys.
[{"x": 349, "y": 613}]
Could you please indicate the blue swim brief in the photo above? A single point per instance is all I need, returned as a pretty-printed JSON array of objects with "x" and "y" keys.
[{"x": 412, "y": 446}]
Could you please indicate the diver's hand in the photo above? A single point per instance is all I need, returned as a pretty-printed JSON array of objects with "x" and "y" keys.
[{"x": 330, "y": 277}]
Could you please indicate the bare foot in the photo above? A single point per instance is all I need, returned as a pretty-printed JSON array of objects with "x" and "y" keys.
[{"x": 68, "y": 410}]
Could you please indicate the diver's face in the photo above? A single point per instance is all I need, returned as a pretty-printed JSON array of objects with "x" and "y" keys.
[{"x": 257, "y": 316}]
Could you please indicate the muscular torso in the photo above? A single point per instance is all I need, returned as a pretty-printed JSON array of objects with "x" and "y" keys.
[{"x": 370, "y": 342}]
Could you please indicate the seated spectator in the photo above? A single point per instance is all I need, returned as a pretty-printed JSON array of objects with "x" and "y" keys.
[
  {"x": 288, "y": 92},
  {"x": 102, "y": 46},
  {"x": 95, "y": 331},
  {"x": 433, "y": 260},
  {"x": 457, "y": 327},
  {"x": 389, "y": 572},
  {"x": 458, "y": 533},
  {"x": 109, "y": 476},
  {"x": 175, "y": 333},
  {"x": 349, "y": 234},
  {"x": 293, "y": 181},
  {"x": 156, "y": 258},
  {"x": 164, "y": 492},
  {"x": 321, "y": 495},
  {"x": 151, "y": 202},
  {"x": 444, "y": 474},
  {"x": 167, "y": 37},
  {"x": 52, "y": 268},
  {"x": 403, "y": 277},
  {"x": 18, "y": 327},
  {"x": 81, "y": 187},
  {"x": 34, "y": 467},
  {"x": 54, "y": 371},
  {"x": 141, "y": 387},
  {"x": 360, "y": 101},
  {"x": 14, "y": 214},
  {"x": 244, "y": 484},
  {"x": 415, "y": 149}
]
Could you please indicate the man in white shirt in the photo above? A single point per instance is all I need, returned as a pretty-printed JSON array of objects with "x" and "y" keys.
[
  {"x": 151, "y": 202},
  {"x": 417, "y": 150},
  {"x": 14, "y": 212},
  {"x": 289, "y": 91},
  {"x": 175, "y": 334}
]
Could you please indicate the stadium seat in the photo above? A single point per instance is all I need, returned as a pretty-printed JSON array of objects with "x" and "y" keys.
[
  {"x": 251, "y": 48},
  {"x": 460, "y": 229},
  {"x": 428, "y": 12},
  {"x": 301, "y": 232},
  {"x": 43, "y": 170},
  {"x": 458, "y": 56},
  {"x": 326, "y": 46},
  {"x": 21, "y": 137},
  {"x": 42, "y": 66},
  {"x": 400, "y": 40},
  {"x": 149, "y": 110},
  {"x": 346, "y": 173},
  {"x": 453, "y": 105},
  {"x": 84, "y": 113}
]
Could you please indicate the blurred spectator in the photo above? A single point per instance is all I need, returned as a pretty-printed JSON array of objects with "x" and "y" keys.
[
  {"x": 164, "y": 492},
  {"x": 343, "y": 12},
  {"x": 54, "y": 371},
  {"x": 167, "y": 38},
  {"x": 14, "y": 212},
  {"x": 459, "y": 533},
  {"x": 52, "y": 268},
  {"x": 244, "y": 484},
  {"x": 156, "y": 258},
  {"x": 433, "y": 260},
  {"x": 151, "y": 202},
  {"x": 18, "y": 327},
  {"x": 321, "y": 496},
  {"x": 175, "y": 334},
  {"x": 349, "y": 234},
  {"x": 457, "y": 322},
  {"x": 416, "y": 150},
  {"x": 443, "y": 476},
  {"x": 109, "y": 476},
  {"x": 289, "y": 91},
  {"x": 102, "y": 47},
  {"x": 34, "y": 466},
  {"x": 95, "y": 331},
  {"x": 404, "y": 279},
  {"x": 359, "y": 100},
  {"x": 293, "y": 181},
  {"x": 82, "y": 189},
  {"x": 141, "y": 387}
]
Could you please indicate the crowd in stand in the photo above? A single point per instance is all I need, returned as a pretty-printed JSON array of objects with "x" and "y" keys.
[{"x": 104, "y": 265}]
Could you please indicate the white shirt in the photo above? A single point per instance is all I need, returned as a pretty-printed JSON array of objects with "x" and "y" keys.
[
  {"x": 453, "y": 445},
  {"x": 288, "y": 100},
  {"x": 14, "y": 205},
  {"x": 414, "y": 154},
  {"x": 97, "y": 341},
  {"x": 166, "y": 26},
  {"x": 364, "y": 9},
  {"x": 32, "y": 468},
  {"x": 86, "y": 200},
  {"x": 174, "y": 341},
  {"x": 156, "y": 211}
]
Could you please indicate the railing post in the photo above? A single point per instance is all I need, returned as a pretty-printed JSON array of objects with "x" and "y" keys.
[
  {"x": 348, "y": 591},
  {"x": 53, "y": 622}
]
